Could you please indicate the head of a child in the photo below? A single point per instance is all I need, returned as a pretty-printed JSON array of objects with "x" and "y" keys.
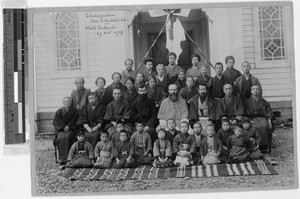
[
  {"x": 161, "y": 133},
  {"x": 139, "y": 127},
  {"x": 129, "y": 83},
  {"x": 104, "y": 136},
  {"x": 255, "y": 90},
  {"x": 123, "y": 135},
  {"x": 225, "y": 125},
  {"x": 171, "y": 58},
  {"x": 204, "y": 70},
  {"x": 139, "y": 77},
  {"x": 149, "y": 64},
  {"x": 246, "y": 67},
  {"x": 100, "y": 82},
  {"x": 92, "y": 99},
  {"x": 229, "y": 60},
  {"x": 227, "y": 89},
  {"x": 120, "y": 126},
  {"x": 219, "y": 68},
  {"x": 197, "y": 128},
  {"x": 189, "y": 82},
  {"x": 79, "y": 82},
  {"x": 171, "y": 124},
  {"x": 128, "y": 64},
  {"x": 181, "y": 75},
  {"x": 116, "y": 77},
  {"x": 238, "y": 130},
  {"x": 210, "y": 130},
  {"x": 246, "y": 123},
  {"x": 80, "y": 136},
  {"x": 151, "y": 81},
  {"x": 67, "y": 102},
  {"x": 184, "y": 127},
  {"x": 195, "y": 59},
  {"x": 160, "y": 68}
]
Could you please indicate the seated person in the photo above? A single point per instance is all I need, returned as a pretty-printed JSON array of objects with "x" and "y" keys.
[
  {"x": 101, "y": 92},
  {"x": 123, "y": 152},
  {"x": 140, "y": 79},
  {"x": 115, "y": 136},
  {"x": 127, "y": 72},
  {"x": 130, "y": 94},
  {"x": 172, "y": 69},
  {"x": 162, "y": 150},
  {"x": 154, "y": 92},
  {"x": 142, "y": 145},
  {"x": 162, "y": 79},
  {"x": 116, "y": 84},
  {"x": 189, "y": 90},
  {"x": 198, "y": 143},
  {"x": 172, "y": 131},
  {"x": 204, "y": 78},
  {"x": 223, "y": 134},
  {"x": 103, "y": 152},
  {"x": 181, "y": 81}
]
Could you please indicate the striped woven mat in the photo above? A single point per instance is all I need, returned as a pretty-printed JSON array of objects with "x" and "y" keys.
[{"x": 257, "y": 167}]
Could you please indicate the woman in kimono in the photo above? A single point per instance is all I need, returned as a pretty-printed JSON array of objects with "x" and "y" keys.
[
  {"x": 130, "y": 94},
  {"x": 154, "y": 92},
  {"x": 101, "y": 92}
]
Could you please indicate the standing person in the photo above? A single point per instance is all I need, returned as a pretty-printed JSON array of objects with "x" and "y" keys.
[
  {"x": 172, "y": 69},
  {"x": 128, "y": 72},
  {"x": 204, "y": 78},
  {"x": 104, "y": 152},
  {"x": 261, "y": 113},
  {"x": 64, "y": 123},
  {"x": 142, "y": 145},
  {"x": 144, "y": 109},
  {"x": 189, "y": 91},
  {"x": 101, "y": 93},
  {"x": 162, "y": 79},
  {"x": 215, "y": 84},
  {"x": 154, "y": 92},
  {"x": 91, "y": 119},
  {"x": 117, "y": 110},
  {"x": 148, "y": 70},
  {"x": 116, "y": 77},
  {"x": 243, "y": 83},
  {"x": 231, "y": 73},
  {"x": 130, "y": 94},
  {"x": 79, "y": 97},
  {"x": 181, "y": 81},
  {"x": 195, "y": 70}
]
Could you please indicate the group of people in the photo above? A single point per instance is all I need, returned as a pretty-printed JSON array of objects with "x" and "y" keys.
[{"x": 164, "y": 118}]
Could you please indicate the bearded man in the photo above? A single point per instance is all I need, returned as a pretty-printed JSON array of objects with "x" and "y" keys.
[
  {"x": 204, "y": 108},
  {"x": 173, "y": 107}
]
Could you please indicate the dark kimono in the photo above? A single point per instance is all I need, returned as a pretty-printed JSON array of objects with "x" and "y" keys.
[
  {"x": 238, "y": 148},
  {"x": 203, "y": 79},
  {"x": 155, "y": 94},
  {"x": 80, "y": 155},
  {"x": 184, "y": 139},
  {"x": 164, "y": 83},
  {"x": 223, "y": 136},
  {"x": 211, "y": 151},
  {"x": 79, "y": 98},
  {"x": 122, "y": 150},
  {"x": 63, "y": 139},
  {"x": 162, "y": 152},
  {"x": 231, "y": 107},
  {"x": 180, "y": 84},
  {"x": 92, "y": 117},
  {"x": 243, "y": 86},
  {"x": 130, "y": 96},
  {"x": 103, "y": 96},
  {"x": 231, "y": 75},
  {"x": 254, "y": 137},
  {"x": 111, "y": 88},
  {"x": 187, "y": 94},
  {"x": 170, "y": 136},
  {"x": 142, "y": 143},
  {"x": 260, "y": 111},
  {"x": 215, "y": 86},
  {"x": 173, "y": 72},
  {"x": 182, "y": 144}
]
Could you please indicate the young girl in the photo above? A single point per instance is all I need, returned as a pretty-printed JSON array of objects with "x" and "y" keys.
[
  {"x": 211, "y": 147},
  {"x": 142, "y": 145},
  {"x": 252, "y": 134},
  {"x": 81, "y": 153},
  {"x": 183, "y": 146},
  {"x": 180, "y": 82},
  {"x": 223, "y": 134},
  {"x": 189, "y": 90},
  {"x": 130, "y": 94},
  {"x": 238, "y": 146},
  {"x": 162, "y": 150},
  {"x": 162, "y": 80},
  {"x": 153, "y": 91},
  {"x": 140, "y": 79},
  {"x": 123, "y": 152},
  {"x": 198, "y": 142},
  {"x": 103, "y": 151}
]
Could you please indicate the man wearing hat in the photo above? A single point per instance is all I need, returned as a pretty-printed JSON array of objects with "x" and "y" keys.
[{"x": 172, "y": 69}]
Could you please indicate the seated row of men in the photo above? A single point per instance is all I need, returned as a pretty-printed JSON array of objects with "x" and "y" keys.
[{"x": 171, "y": 148}]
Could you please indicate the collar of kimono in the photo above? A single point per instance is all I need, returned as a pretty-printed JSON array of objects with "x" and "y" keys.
[
  {"x": 129, "y": 71},
  {"x": 94, "y": 105}
]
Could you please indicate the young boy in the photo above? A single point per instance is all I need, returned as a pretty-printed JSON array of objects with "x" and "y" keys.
[
  {"x": 142, "y": 145},
  {"x": 183, "y": 146},
  {"x": 123, "y": 152},
  {"x": 81, "y": 153},
  {"x": 171, "y": 133},
  {"x": 180, "y": 82},
  {"x": 215, "y": 84},
  {"x": 211, "y": 147},
  {"x": 223, "y": 134},
  {"x": 198, "y": 142},
  {"x": 115, "y": 137},
  {"x": 162, "y": 150},
  {"x": 252, "y": 134},
  {"x": 79, "y": 97},
  {"x": 128, "y": 72},
  {"x": 204, "y": 78},
  {"x": 103, "y": 151}
]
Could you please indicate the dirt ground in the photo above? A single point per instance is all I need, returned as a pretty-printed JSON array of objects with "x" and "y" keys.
[{"x": 48, "y": 182}]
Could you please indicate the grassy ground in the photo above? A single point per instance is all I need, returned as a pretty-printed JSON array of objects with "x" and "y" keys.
[{"x": 47, "y": 180}]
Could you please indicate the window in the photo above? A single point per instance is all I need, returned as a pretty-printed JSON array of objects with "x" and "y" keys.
[
  {"x": 271, "y": 30},
  {"x": 68, "y": 56}
]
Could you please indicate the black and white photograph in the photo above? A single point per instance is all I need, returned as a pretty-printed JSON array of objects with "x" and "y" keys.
[{"x": 148, "y": 99}]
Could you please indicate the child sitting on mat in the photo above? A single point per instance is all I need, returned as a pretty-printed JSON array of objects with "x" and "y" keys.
[
  {"x": 238, "y": 146},
  {"x": 162, "y": 150},
  {"x": 198, "y": 142},
  {"x": 223, "y": 134},
  {"x": 115, "y": 137},
  {"x": 211, "y": 147},
  {"x": 81, "y": 153},
  {"x": 103, "y": 151},
  {"x": 252, "y": 134},
  {"x": 183, "y": 146},
  {"x": 123, "y": 152},
  {"x": 142, "y": 145}
]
